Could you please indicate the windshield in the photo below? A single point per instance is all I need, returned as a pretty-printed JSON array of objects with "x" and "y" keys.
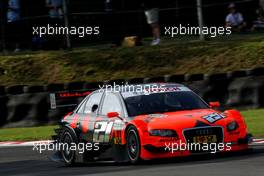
[{"x": 163, "y": 102}]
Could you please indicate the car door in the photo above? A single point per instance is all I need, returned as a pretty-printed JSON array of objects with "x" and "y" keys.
[
  {"x": 87, "y": 115},
  {"x": 104, "y": 125}
]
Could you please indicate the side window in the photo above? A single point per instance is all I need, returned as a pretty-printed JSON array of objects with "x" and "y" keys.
[
  {"x": 80, "y": 108},
  {"x": 111, "y": 104},
  {"x": 94, "y": 99}
]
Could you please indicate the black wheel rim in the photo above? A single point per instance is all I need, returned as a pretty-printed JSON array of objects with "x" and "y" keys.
[
  {"x": 133, "y": 146},
  {"x": 67, "y": 153}
]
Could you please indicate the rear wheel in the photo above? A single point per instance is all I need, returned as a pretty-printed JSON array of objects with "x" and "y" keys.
[
  {"x": 67, "y": 139},
  {"x": 133, "y": 145}
]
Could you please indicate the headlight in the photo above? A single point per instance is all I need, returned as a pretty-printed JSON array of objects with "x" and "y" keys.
[
  {"x": 232, "y": 126},
  {"x": 163, "y": 133}
]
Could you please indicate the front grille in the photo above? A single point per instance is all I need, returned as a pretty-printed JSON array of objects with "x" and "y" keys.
[{"x": 190, "y": 134}]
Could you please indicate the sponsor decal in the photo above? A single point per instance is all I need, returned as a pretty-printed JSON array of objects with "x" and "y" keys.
[
  {"x": 212, "y": 118},
  {"x": 153, "y": 116},
  {"x": 117, "y": 140},
  {"x": 157, "y": 115},
  {"x": 170, "y": 139}
]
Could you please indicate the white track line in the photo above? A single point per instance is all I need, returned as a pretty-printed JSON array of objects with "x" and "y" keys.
[
  {"x": 258, "y": 141},
  {"x": 23, "y": 144}
]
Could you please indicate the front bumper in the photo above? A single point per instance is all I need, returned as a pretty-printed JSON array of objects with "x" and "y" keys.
[{"x": 151, "y": 151}]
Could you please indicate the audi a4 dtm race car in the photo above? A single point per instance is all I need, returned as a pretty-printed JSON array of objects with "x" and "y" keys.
[{"x": 148, "y": 121}]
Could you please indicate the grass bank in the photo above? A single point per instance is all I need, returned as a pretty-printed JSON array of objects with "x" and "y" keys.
[{"x": 177, "y": 56}]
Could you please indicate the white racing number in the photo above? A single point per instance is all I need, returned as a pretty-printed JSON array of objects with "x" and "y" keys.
[{"x": 102, "y": 131}]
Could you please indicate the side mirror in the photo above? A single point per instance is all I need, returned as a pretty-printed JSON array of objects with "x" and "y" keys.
[
  {"x": 94, "y": 108},
  {"x": 214, "y": 104},
  {"x": 112, "y": 114}
]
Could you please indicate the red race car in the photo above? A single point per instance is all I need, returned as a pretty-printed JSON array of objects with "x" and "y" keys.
[{"x": 142, "y": 122}]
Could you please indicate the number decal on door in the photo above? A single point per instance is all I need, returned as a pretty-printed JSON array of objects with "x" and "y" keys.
[{"x": 102, "y": 131}]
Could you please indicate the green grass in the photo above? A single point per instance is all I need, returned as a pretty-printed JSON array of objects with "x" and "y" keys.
[
  {"x": 27, "y": 134},
  {"x": 254, "y": 120},
  {"x": 97, "y": 63}
]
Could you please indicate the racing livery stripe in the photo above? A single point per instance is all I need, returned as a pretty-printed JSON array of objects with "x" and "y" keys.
[
  {"x": 67, "y": 116},
  {"x": 74, "y": 121},
  {"x": 85, "y": 124}
]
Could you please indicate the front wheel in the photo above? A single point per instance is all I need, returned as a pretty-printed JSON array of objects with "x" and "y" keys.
[
  {"x": 68, "y": 138},
  {"x": 133, "y": 145}
]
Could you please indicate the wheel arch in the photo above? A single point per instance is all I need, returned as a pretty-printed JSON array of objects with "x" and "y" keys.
[
  {"x": 76, "y": 132},
  {"x": 139, "y": 131}
]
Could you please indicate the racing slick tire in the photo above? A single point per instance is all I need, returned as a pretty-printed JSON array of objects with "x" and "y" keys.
[
  {"x": 69, "y": 137},
  {"x": 133, "y": 145}
]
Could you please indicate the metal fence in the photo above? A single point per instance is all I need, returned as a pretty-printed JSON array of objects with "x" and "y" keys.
[{"x": 121, "y": 18}]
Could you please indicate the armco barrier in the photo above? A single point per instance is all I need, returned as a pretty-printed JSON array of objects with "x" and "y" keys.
[
  {"x": 32, "y": 105},
  {"x": 3, "y": 112},
  {"x": 256, "y": 72},
  {"x": 14, "y": 90},
  {"x": 27, "y": 109},
  {"x": 201, "y": 87},
  {"x": 74, "y": 86},
  {"x": 236, "y": 74},
  {"x": 93, "y": 85},
  {"x": 216, "y": 77},
  {"x": 2, "y": 90},
  {"x": 116, "y": 82},
  {"x": 247, "y": 92},
  {"x": 154, "y": 79},
  {"x": 174, "y": 78},
  {"x": 194, "y": 77},
  {"x": 210, "y": 91},
  {"x": 136, "y": 81},
  {"x": 218, "y": 84},
  {"x": 54, "y": 87},
  {"x": 33, "y": 89}
]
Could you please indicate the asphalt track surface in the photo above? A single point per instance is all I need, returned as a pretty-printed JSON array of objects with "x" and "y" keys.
[{"x": 23, "y": 161}]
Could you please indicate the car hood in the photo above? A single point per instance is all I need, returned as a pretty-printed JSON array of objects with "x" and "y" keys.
[{"x": 184, "y": 119}]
